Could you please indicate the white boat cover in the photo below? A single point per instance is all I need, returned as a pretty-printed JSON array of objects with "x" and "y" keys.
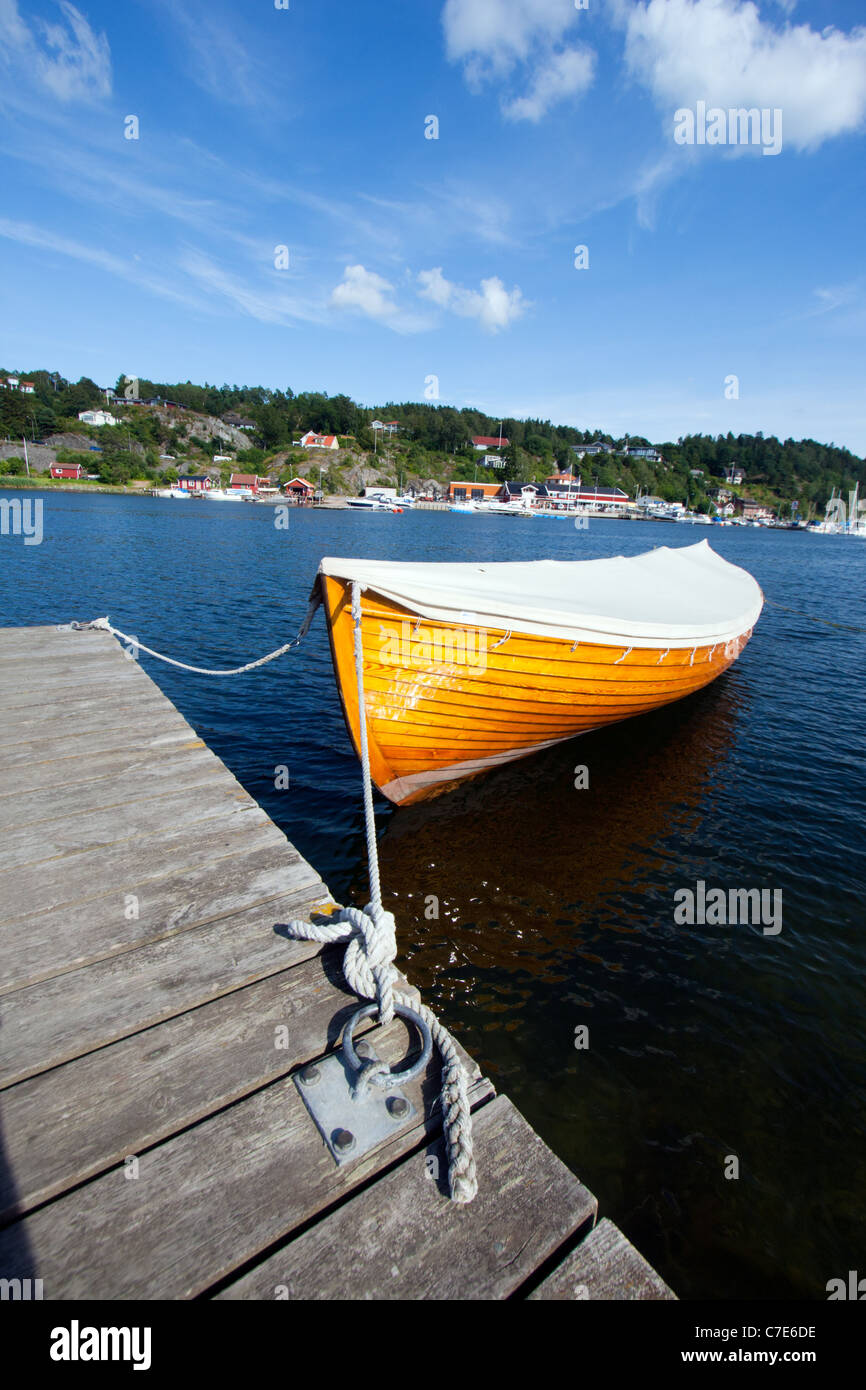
[{"x": 685, "y": 597}]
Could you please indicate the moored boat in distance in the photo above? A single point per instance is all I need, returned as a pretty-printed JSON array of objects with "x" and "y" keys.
[
  {"x": 376, "y": 502},
  {"x": 468, "y": 666}
]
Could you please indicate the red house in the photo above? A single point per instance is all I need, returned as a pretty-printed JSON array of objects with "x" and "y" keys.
[
  {"x": 195, "y": 482},
  {"x": 246, "y": 482},
  {"x": 486, "y": 441},
  {"x": 67, "y": 470},
  {"x": 300, "y": 490}
]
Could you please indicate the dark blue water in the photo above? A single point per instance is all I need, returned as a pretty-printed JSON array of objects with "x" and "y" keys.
[{"x": 556, "y": 904}]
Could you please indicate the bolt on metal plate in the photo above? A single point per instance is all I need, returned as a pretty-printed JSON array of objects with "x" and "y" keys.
[{"x": 349, "y": 1127}]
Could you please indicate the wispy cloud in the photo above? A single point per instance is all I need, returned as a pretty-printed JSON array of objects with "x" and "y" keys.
[
  {"x": 648, "y": 184},
  {"x": 128, "y": 268},
  {"x": 837, "y": 297},
  {"x": 66, "y": 59},
  {"x": 443, "y": 214},
  {"x": 220, "y": 62},
  {"x": 269, "y": 302}
]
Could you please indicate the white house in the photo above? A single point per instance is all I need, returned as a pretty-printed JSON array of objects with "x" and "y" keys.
[
  {"x": 96, "y": 417},
  {"x": 311, "y": 440},
  {"x": 644, "y": 451}
]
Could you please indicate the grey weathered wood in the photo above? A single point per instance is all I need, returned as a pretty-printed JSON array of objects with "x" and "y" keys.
[
  {"x": 108, "y": 782},
  {"x": 604, "y": 1266},
  {"x": 151, "y": 732},
  {"x": 115, "y": 871},
  {"x": 79, "y": 1119},
  {"x": 417, "y": 1244},
  {"x": 38, "y": 724},
  {"x": 67, "y": 728},
  {"x": 50, "y": 707},
  {"x": 204, "y": 1202},
  {"x": 256, "y": 869},
  {"x": 45, "y": 639},
  {"x": 58, "y": 1019},
  {"x": 66, "y": 673},
  {"x": 194, "y": 800}
]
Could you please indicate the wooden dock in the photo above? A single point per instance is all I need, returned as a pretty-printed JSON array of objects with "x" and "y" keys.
[{"x": 153, "y": 1143}]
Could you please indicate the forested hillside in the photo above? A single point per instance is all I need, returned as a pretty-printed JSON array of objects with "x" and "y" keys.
[{"x": 435, "y": 440}]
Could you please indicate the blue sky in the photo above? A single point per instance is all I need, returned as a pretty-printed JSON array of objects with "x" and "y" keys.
[{"x": 411, "y": 258}]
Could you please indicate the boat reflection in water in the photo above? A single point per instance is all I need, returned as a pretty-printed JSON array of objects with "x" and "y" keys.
[{"x": 528, "y": 908}]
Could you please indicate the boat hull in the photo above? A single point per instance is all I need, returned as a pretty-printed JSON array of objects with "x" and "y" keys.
[{"x": 445, "y": 702}]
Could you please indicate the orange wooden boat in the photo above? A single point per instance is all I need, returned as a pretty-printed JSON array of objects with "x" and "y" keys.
[{"x": 468, "y": 666}]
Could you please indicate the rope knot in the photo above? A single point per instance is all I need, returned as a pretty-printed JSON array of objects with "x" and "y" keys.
[{"x": 369, "y": 961}]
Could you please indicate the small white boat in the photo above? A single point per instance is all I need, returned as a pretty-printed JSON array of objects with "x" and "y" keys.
[
  {"x": 219, "y": 494},
  {"x": 179, "y": 494},
  {"x": 375, "y": 502}
]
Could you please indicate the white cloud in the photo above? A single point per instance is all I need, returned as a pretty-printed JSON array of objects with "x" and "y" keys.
[
  {"x": 364, "y": 292},
  {"x": 722, "y": 52},
  {"x": 71, "y": 61},
  {"x": 492, "y": 37},
  {"x": 493, "y": 305},
  {"x": 564, "y": 74},
  {"x": 498, "y": 33}
]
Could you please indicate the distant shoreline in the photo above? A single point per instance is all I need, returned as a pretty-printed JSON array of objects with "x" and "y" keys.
[
  {"x": 57, "y": 485},
  {"x": 333, "y": 502}
]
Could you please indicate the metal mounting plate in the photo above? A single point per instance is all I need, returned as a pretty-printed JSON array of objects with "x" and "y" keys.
[{"x": 335, "y": 1111}]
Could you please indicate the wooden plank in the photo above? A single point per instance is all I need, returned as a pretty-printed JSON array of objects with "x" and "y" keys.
[
  {"x": 206, "y": 794},
  {"x": 37, "y": 642},
  {"x": 69, "y": 670},
  {"x": 103, "y": 783},
  {"x": 154, "y": 732},
  {"x": 416, "y": 1244},
  {"x": 255, "y": 867},
  {"x": 86, "y": 715},
  {"x": 113, "y": 871},
  {"x": 81, "y": 1118},
  {"x": 52, "y": 1022},
  {"x": 604, "y": 1266},
  {"x": 206, "y": 1201},
  {"x": 66, "y": 731},
  {"x": 22, "y": 697}
]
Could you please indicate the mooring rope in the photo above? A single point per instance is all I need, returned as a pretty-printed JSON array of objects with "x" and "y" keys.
[
  {"x": 368, "y": 967},
  {"x": 103, "y": 625},
  {"x": 371, "y": 933}
]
